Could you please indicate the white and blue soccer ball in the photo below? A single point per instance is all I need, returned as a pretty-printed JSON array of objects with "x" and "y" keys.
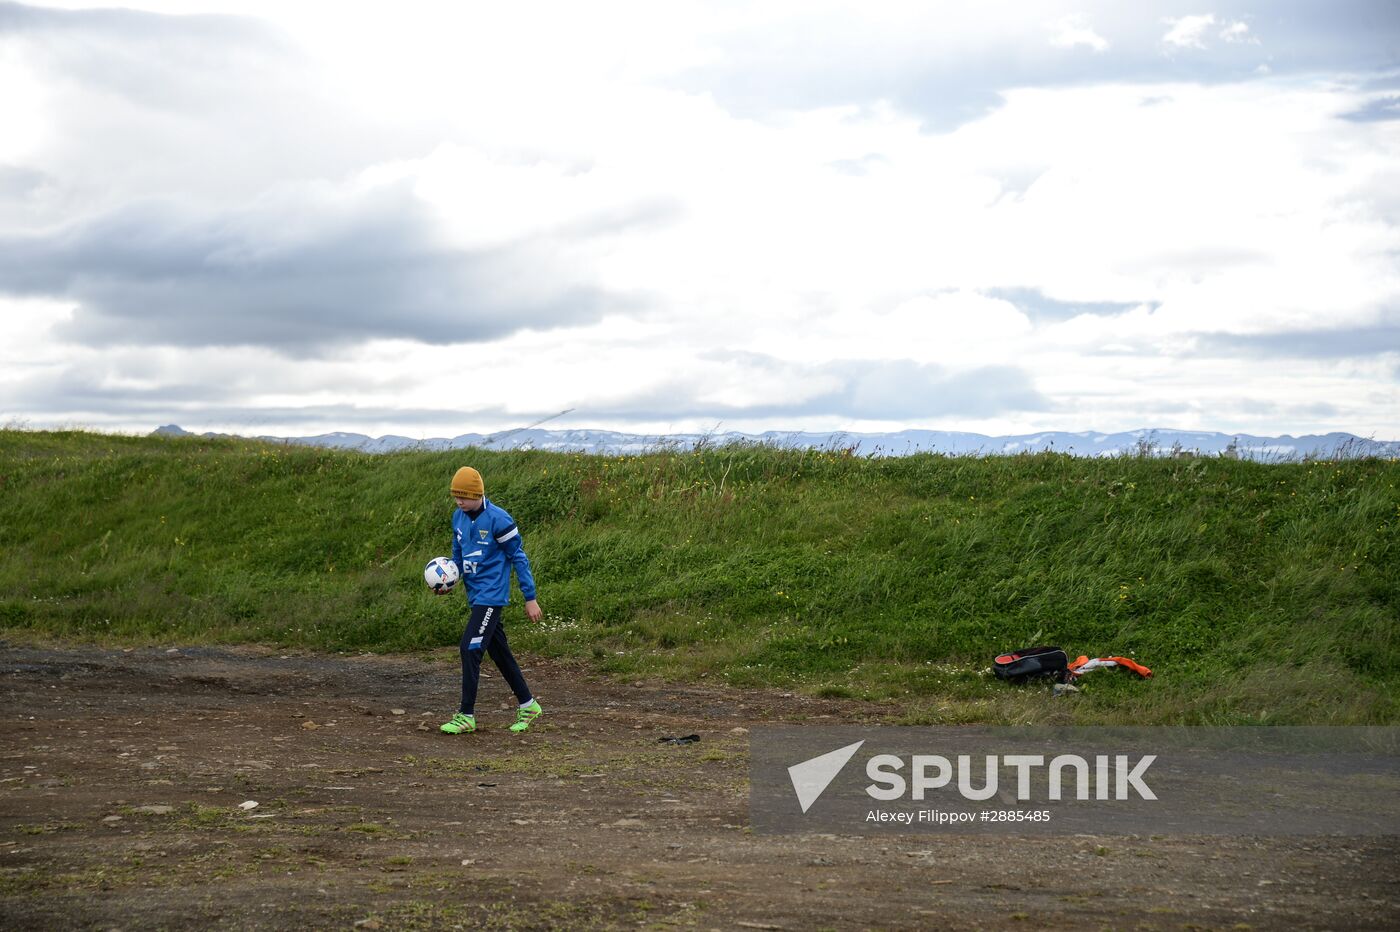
[{"x": 441, "y": 574}]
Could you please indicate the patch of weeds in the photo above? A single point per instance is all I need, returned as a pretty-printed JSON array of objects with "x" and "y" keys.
[
  {"x": 22, "y": 881},
  {"x": 107, "y": 877},
  {"x": 240, "y": 869},
  {"x": 196, "y": 816},
  {"x": 511, "y": 916},
  {"x": 47, "y": 828},
  {"x": 651, "y": 782},
  {"x": 575, "y": 867},
  {"x": 542, "y": 760}
]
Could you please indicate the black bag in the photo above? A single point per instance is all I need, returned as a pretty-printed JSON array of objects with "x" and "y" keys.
[{"x": 1030, "y": 662}]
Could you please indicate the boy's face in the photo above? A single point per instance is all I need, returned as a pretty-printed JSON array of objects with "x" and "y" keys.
[{"x": 467, "y": 504}]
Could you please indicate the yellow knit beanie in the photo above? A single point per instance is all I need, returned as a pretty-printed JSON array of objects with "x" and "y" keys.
[{"x": 467, "y": 484}]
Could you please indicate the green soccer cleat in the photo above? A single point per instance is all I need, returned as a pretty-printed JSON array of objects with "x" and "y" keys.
[
  {"x": 526, "y": 715},
  {"x": 460, "y": 724}
]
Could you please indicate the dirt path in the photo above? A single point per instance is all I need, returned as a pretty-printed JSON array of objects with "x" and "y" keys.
[{"x": 372, "y": 819}]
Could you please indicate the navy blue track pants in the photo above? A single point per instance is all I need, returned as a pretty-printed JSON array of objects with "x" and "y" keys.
[{"x": 484, "y": 634}]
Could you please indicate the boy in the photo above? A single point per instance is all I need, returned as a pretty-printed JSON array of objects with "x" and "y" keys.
[{"x": 485, "y": 545}]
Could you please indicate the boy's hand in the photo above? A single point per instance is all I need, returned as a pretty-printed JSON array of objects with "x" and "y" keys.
[{"x": 532, "y": 610}]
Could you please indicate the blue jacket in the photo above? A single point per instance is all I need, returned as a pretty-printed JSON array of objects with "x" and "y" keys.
[{"x": 484, "y": 549}]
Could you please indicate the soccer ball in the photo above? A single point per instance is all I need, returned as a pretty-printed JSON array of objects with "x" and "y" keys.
[{"x": 441, "y": 574}]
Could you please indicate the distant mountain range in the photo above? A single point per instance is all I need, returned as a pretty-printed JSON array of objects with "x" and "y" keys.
[{"x": 1084, "y": 443}]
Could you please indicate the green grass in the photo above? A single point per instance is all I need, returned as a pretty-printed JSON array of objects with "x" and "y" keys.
[{"x": 1257, "y": 592}]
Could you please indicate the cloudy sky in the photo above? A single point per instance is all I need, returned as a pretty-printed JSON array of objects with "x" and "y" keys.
[{"x": 432, "y": 218}]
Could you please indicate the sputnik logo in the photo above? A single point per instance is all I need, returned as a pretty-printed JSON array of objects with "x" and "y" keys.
[{"x": 811, "y": 777}]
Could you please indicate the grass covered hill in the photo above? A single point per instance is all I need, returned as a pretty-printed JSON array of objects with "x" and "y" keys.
[{"x": 1257, "y": 592}]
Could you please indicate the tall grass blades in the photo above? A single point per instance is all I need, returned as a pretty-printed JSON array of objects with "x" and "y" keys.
[{"x": 1258, "y": 592}]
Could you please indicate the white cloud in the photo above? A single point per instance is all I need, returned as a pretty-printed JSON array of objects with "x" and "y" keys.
[
  {"x": 1188, "y": 32},
  {"x": 1238, "y": 32},
  {"x": 796, "y": 263},
  {"x": 1074, "y": 31},
  {"x": 22, "y": 110}
]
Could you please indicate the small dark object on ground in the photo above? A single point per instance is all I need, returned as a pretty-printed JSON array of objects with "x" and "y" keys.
[{"x": 687, "y": 739}]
